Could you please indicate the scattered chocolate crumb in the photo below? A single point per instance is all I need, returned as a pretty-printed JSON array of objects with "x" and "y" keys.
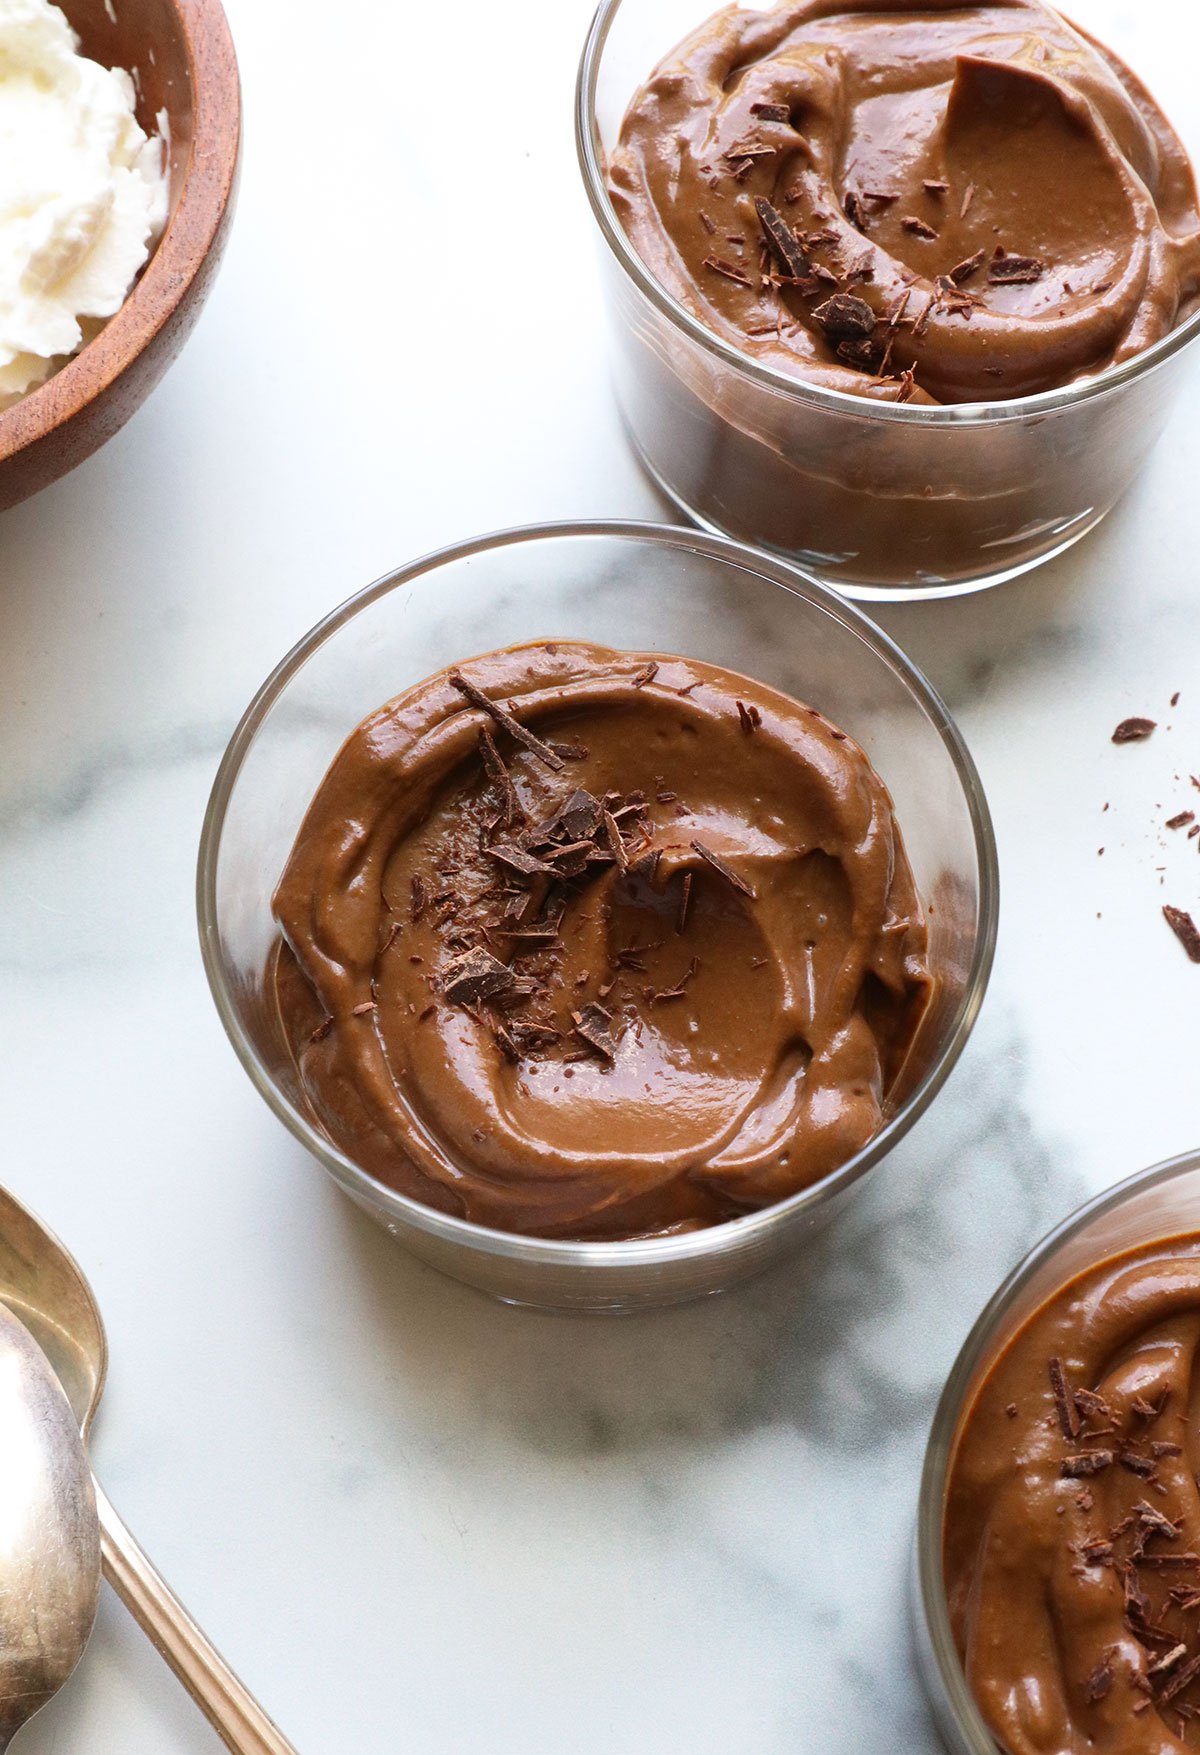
[
  {"x": 527, "y": 739},
  {"x": 1175, "y": 698},
  {"x": 1181, "y": 819},
  {"x": 918, "y": 227},
  {"x": 1011, "y": 1410},
  {"x": 781, "y": 240},
  {"x": 1134, "y": 730},
  {"x": 1185, "y": 930},
  {"x": 727, "y": 872}
]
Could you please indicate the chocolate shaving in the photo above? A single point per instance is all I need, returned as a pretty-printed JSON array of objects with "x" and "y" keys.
[
  {"x": 1101, "y": 1679},
  {"x": 730, "y": 270},
  {"x": 1088, "y": 1462},
  {"x": 935, "y": 186},
  {"x": 1006, "y": 270},
  {"x": 1134, "y": 730},
  {"x": 845, "y": 316},
  {"x": 1181, "y": 820},
  {"x": 719, "y": 865},
  {"x": 613, "y": 831},
  {"x": 685, "y": 902},
  {"x": 964, "y": 270},
  {"x": 750, "y": 717},
  {"x": 1169, "y": 1562},
  {"x": 655, "y": 996},
  {"x": 514, "y": 858},
  {"x": 1185, "y": 930},
  {"x": 853, "y": 208},
  {"x": 593, "y": 1025},
  {"x": 1068, "y": 1418},
  {"x": 645, "y": 675},
  {"x": 781, "y": 240},
  {"x": 1154, "y": 1523},
  {"x": 419, "y": 897},
  {"x": 322, "y": 1030},
  {"x": 578, "y": 819},
  {"x": 1092, "y": 1406},
  {"x": 475, "y": 976},
  {"x": 967, "y": 199},
  {"x": 740, "y": 157},
  {"x": 1180, "y": 1680},
  {"x": 918, "y": 227},
  {"x": 1167, "y": 1661},
  {"x": 521, "y": 734},
  {"x": 771, "y": 112},
  {"x": 1144, "y": 1466},
  {"x": 498, "y": 774}
]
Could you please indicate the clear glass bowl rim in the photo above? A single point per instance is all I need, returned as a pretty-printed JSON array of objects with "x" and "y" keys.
[
  {"x": 646, "y": 1252},
  {"x": 769, "y": 377},
  {"x": 988, "y": 1325}
]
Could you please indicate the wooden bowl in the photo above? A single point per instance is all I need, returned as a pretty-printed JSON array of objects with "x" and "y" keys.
[{"x": 183, "y": 59}]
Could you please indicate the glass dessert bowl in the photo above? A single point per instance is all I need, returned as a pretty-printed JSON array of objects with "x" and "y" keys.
[
  {"x": 635, "y": 588},
  {"x": 1078, "y": 1466},
  {"x": 880, "y": 497}
]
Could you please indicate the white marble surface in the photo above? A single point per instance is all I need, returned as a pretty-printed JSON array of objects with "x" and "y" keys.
[{"x": 412, "y": 1519}]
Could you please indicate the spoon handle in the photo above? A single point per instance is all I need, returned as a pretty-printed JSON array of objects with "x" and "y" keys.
[{"x": 230, "y": 1709}]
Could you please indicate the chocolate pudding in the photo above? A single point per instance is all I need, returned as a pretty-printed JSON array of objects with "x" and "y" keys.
[
  {"x": 920, "y": 207},
  {"x": 935, "y": 203},
  {"x": 1072, "y": 1524},
  {"x": 597, "y": 944}
]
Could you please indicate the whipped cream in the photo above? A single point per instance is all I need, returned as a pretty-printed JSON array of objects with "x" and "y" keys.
[{"x": 83, "y": 194}]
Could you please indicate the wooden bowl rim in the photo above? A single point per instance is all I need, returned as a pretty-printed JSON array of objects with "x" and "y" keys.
[{"x": 180, "y": 253}]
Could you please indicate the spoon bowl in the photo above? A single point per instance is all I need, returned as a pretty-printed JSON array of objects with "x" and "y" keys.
[
  {"x": 49, "y": 1532},
  {"x": 45, "y": 1289}
]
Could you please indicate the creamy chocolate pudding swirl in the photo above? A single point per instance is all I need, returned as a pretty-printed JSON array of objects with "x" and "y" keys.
[
  {"x": 588, "y": 943},
  {"x": 939, "y": 203},
  {"x": 1072, "y": 1532}
]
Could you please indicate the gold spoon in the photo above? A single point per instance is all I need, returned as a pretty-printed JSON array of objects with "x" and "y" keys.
[
  {"x": 44, "y": 1286},
  {"x": 49, "y": 1533}
]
